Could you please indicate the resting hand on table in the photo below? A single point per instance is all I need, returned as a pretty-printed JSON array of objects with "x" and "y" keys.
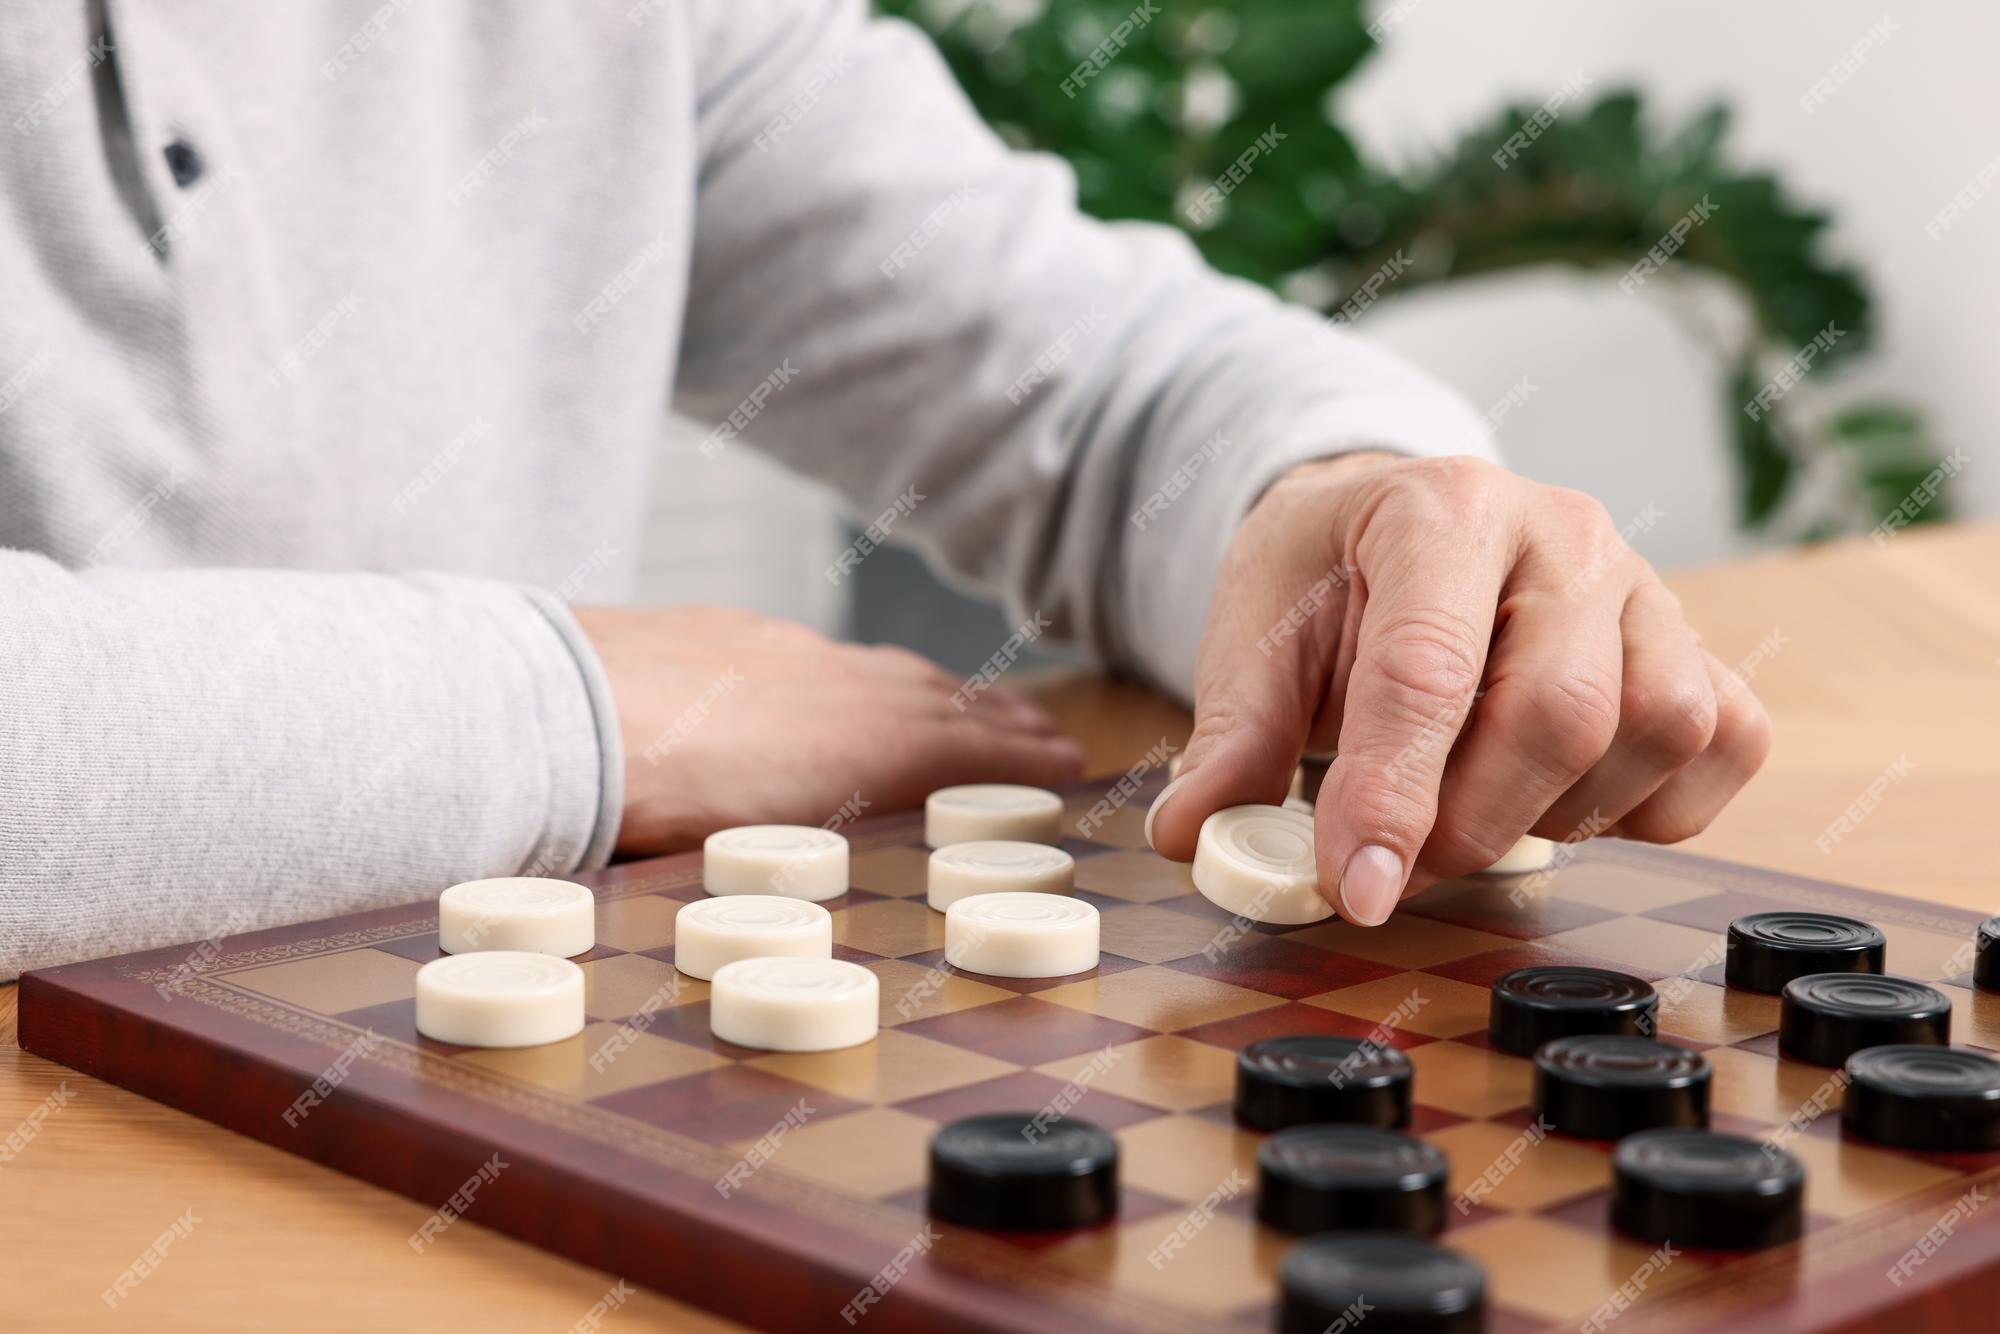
[
  {"x": 1367, "y": 601},
  {"x": 732, "y": 718}
]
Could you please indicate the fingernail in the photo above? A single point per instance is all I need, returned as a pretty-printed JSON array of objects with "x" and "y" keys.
[
  {"x": 1371, "y": 885},
  {"x": 1158, "y": 802}
]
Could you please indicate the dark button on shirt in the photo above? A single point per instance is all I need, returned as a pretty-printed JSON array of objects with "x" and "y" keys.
[{"x": 183, "y": 162}]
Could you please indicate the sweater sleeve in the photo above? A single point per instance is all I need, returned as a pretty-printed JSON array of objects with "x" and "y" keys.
[
  {"x": 1075, "y": 413},
  {"x": 187, "y": 754}
]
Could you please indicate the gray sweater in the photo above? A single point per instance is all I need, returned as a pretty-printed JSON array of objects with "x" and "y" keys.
[{"x": 335, "y": 343}]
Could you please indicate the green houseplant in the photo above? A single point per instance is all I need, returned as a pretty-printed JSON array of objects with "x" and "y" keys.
[{"x": 1152, "y": 105}]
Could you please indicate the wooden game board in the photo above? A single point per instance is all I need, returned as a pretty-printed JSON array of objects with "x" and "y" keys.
[{"x": 617, "y": 1166}]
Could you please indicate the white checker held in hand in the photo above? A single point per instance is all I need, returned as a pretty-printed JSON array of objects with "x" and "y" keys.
[
  {"x": 982, "y": 812},
  {"x": 1257, "y": 862},
  {"x": 794, "y": 1004},
  {"x": 517, "y": 913},
  {"x": 1530, "y": 854},
  {"x": 796, "y": 861},
  {"x": 1021, "y": 935},
  {"x": 499, "y": 998},
  {"x": 996, "y": 866},
  {"x": 710, "y": 933}
]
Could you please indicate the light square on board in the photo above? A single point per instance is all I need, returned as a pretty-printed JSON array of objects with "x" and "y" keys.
[
  {"x": 895, "y": 1066},
  {"x": 1845, "y": 1177},
  {"x": 1170, "y": 1072},
  {"x": 876, "y": 1152},
  {"x": 890, "y": 927},
  {"x": 1153, "y": 935},
  {"x": 1767, "y": 1090},
  {"x": 1625, "y": 888},
  {"x": 1136, "y": 877},
  {"x": 1714, "y": 911},
  {"x": 1498, "y": 1166},
  {"x": 1296, "y": 1019},
  {"x": 1424, "y": 1003},
  {"x": 643, "y": 922},
  {"x": 1405, "y": 940},
  {"x": 1486, "y": 904},
  {"x": 896, "y": 873},
  {"x": 1123, "y": 828},
  {"x": 1162, "y": 999},
  {"x": 1975, "y": 1017},
  {"x": 1925, "y": 955},
  {"x": 1470, "y": 1080},
  {"x": 1186, "y": 1158},
  {"x": 1708, "y": 1013},
  {"x": 604, "y": 1058},
  {"x": 622, "y": 986},
  {"x": 1560, "y": 1272},
  {"x": 912, "y": 991},
  {"x": 1641, "y": 943},
  {"x": 334, "y": 983},
  {"x": 1030, "y": 1091}
]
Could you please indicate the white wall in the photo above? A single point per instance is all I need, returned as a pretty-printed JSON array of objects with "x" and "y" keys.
[
  {"x": 739, "y": 530},
  {"x": 1628, "y": 405}
]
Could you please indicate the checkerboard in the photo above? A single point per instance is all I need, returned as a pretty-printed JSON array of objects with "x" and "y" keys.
[{"x": 617, "y": 1162}]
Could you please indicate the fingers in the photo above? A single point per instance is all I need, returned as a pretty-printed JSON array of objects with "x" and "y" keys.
[
  {"x": 947, "y": 752},
  {"x": 1010, "y": 708},
  {"x": 1547, "y": 718},
  {"x": 1686, "y": 803},
  {"x": 1272, "y": 629},
  {"x": 1426, "y": 622},
  {"x": 1666, "y": 718}
]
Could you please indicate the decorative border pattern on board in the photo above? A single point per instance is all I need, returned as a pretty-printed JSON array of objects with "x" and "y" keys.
[
  {"x": 186, "y": 971},
  {"x": 972, "y": 1254}
]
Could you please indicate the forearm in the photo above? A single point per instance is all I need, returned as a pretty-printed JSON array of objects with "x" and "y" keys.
[{"x": 183, "y": 754}]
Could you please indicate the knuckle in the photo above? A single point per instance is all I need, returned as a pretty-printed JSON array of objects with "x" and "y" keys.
[
  {"x": 1743, "y": 733},
  {"x": 1569, "y": 719},
  {"x": 1431, "y": 661},
  {"x": 1579, "y": 508},
  {"x": 1672, "y": 726},
  {"x": 1462, "y": 474}
]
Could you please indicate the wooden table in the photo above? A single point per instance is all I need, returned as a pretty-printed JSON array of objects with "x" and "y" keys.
[{"x": 1886, "y": 656}]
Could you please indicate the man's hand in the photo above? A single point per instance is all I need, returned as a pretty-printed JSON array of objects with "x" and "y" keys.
[
  {"x": 732, "y": 718},
  {"x": 1364, "y": 605}
]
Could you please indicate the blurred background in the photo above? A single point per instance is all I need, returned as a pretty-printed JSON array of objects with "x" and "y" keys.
[{"x": 1811, "y": 160}]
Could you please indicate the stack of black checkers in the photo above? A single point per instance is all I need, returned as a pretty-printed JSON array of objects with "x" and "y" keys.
[{"x": 1017, "y": 1172}]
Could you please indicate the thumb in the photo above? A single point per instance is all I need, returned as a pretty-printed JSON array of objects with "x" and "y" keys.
[{"x": 1265, "y": 658}]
